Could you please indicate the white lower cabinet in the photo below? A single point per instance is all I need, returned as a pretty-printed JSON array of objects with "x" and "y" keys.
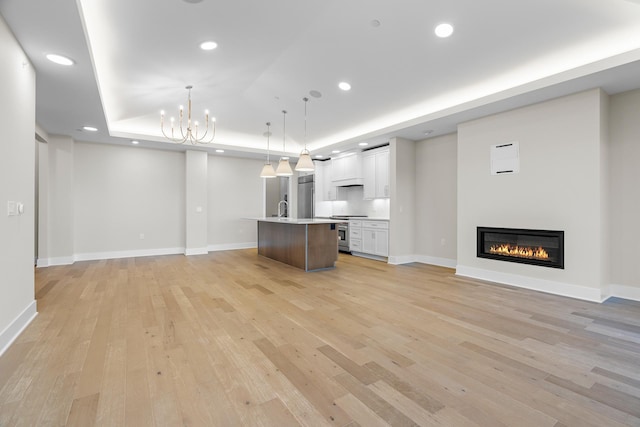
[
  {"x": 369, "y": 237},
  {"x": 355, "y": 236}
]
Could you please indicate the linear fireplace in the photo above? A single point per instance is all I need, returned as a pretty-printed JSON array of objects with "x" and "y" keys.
[{"x": 536, "y": 247}]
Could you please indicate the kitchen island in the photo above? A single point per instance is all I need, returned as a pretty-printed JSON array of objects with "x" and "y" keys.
[{"x": 309, "y": 244}]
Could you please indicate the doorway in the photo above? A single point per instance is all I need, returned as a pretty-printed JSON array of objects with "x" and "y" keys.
[{"x": 276, "y": 191}]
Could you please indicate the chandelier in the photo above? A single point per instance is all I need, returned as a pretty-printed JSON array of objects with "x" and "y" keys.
[{"x": 190, "y": 133}]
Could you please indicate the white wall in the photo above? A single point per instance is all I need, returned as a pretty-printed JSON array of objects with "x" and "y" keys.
[
  {"x": 402, "y": 209},
  {"x": 436, "y": 200},
  {"x": 196, "y": 170},
  {"x": 17, "y": 183},
  {"x": 625, "y": 178},
  {"x": 235, "y": 191},
  {"x": 558, "y": 188},
  {"x": 121, "y": 192},
  {"x": 56, "y": 201},
  {"x": 114, "y": 195},
  {"x": 605, "y": 199}
]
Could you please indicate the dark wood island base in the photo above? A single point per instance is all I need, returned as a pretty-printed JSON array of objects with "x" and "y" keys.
[{"x": 306, "y": 244}]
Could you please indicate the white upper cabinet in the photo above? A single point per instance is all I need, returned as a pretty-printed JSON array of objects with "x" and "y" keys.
[
  {"x": 369, "y": 176},
  {"x": 325, "y": 186},
  {"x": 347, "y": 170},
  {"x": 375, "y": 165}
]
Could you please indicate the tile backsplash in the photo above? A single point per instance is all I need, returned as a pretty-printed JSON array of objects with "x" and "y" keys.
[{"x": 354, "y": 205}]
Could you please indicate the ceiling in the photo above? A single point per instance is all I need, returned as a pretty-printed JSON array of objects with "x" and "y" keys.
[{"x": 134, "y": 59}]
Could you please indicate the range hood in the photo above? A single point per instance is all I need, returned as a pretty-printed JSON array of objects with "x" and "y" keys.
[{"x": 352, "y": 182}]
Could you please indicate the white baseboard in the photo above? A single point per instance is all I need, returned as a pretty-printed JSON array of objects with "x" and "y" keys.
[
  {"x": 196, "y": 251},
  {"x": 15, "y": 328},
  {"x": 94, "y": 256},
  {"x": 423, "y": 259},
  {"x": 624, "y": 291},
  {"x": 47, "y": 262},
  {"x": 370, "y": 256},
  {"x": 401, "y": 259},
  {"x": 232, "y": 246},
  {"x": 442, "y": 262},
  {"x": 548, "y": 286}
]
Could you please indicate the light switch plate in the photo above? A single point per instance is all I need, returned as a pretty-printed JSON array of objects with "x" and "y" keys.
[{"x": 12, "y": 208}]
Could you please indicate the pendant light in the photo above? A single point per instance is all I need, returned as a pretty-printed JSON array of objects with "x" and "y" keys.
[
  {"x": 267, "y": 170},
  {"x": 284, "y": 168},
  {"x": 305, "y": 164}
]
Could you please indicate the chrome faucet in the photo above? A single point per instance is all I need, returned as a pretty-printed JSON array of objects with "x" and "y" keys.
[{"x": 286, "y": 208}]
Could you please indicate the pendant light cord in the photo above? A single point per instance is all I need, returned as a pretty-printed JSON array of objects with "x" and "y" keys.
[
  {"x": 268, "y": 135},
  {"x": 305, "y": 99},
  {"x": 284, "y": 131}
]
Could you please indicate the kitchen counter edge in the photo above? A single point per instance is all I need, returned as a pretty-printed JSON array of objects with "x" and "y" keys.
[{"x": 298, "y": 220}]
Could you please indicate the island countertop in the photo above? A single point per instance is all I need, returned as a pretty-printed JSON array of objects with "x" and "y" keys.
[
  {"x": 299, "y": 220},
  {"x": 307, "y": 243}
]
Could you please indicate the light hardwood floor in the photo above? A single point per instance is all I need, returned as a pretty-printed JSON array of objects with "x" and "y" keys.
[{"x": 231, "y": 338}]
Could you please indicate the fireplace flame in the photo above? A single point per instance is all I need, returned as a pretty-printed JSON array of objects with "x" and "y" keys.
[{"x": 519, "y": 251}]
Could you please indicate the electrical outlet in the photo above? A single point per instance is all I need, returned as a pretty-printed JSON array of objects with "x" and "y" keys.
[
  {"x": 443, "y": 241},
  {"x": 141, "y": 236}
]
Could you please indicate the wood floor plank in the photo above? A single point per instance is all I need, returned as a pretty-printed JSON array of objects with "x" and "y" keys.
[
  {"x": 271, "y": 413},
  {"x": 377, "y": 404},
  {"x": 360, "y": 413},
  {"x": 234, "y": 339},
  {"x": 83, "y": 411},
  {"x": 606, "y": 395},
  {"x": 300, "y": 380}
]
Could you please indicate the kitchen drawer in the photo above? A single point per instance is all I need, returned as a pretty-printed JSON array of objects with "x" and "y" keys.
[
  {"x": 375, "y": 224},
  {"x": 355, "y": 245},
  {"x": 355, "y": 223},
  {"x": 355, "y": 233}
]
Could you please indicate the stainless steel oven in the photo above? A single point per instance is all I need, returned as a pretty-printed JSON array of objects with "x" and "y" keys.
[
  {"x": 343, "y": 236},
  {"x": 343, "y": 231}
]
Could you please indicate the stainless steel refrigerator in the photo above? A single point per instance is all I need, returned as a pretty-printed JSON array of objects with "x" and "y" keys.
[{"x": 305, "y": 196}]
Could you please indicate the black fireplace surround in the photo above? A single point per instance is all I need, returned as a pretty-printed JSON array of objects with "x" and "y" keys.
[{"x": 535, "y": 247}]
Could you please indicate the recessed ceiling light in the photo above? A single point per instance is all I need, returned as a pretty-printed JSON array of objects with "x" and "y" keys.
[
  {"x": 363, "y": 144},
  {"x": 444, "y": 30},
  {"x": 315, "y": 93},
  {"x": 90, "y": 129},
  {"x": 59, "y": 59},
  {"x": 344, "y": 86},
  {"x": 219, "y": 151},
  {"x": 319, "y": 156},
  {"x": 134, "y": 142},
  {"x": 428, "y": 132},
  {"x": 335, "y": 152},
  {"x": 375, "y": 23},
  {"x": 208, "y": 45}
]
